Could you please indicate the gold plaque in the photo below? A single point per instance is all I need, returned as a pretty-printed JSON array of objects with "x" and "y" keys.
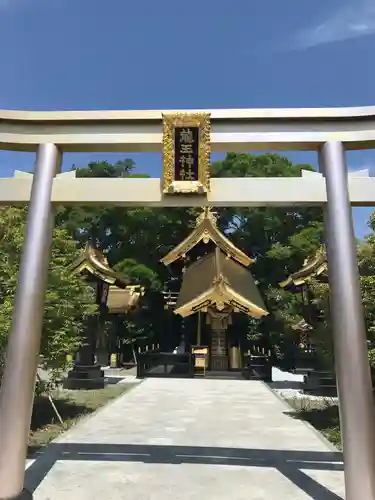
[{"x": 186, "y": 153}]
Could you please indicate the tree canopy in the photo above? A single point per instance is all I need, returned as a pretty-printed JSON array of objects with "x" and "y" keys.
[
  {"x": 68, "y": 301},
  {"x": 134, "y": 239}
]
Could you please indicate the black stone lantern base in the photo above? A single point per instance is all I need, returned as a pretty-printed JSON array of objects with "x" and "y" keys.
[{"x": 85, "y": 377}]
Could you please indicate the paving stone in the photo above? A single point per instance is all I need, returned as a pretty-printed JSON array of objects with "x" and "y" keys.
[{"x": 190, "y": 439}]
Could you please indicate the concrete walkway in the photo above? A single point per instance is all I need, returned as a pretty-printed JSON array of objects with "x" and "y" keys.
[{"x": 190, "y": 439}]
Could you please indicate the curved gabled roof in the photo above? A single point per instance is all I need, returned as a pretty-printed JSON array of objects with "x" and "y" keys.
[
  {"x": 302, "y": 326},
  {"x": 95, "y": 263},
  {"x": 123, "y": 300},
  {"x": 217, "y": 280},
  {"x": 311, "y": 269},
  {"x": 206, "y": 230}
]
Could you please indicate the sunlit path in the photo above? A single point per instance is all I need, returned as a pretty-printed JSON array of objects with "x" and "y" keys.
[{"x": 169, "y": 438}]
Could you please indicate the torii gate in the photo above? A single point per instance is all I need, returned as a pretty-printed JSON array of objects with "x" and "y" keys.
[{"x": 328, "y": 131}]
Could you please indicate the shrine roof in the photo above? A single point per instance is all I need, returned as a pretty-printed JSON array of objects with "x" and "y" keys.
[
  {"x": 123, "y": 300},
  {"x": 312, "y": 268},
  {"x": 302, "y": 326},
  {"x": 94, "y": 262},
  {"x": 217, "y": 280},
  {"x": 206, "y": 230}
]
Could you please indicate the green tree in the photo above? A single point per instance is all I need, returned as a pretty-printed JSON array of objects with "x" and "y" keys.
[
  {"x": 322, "y": 332},
  {"x": 68, "y": 301},
  {"x": 278, "y": 238},
  {"x": 366, "y": 261},
  {"x": 135, "y": 238}
]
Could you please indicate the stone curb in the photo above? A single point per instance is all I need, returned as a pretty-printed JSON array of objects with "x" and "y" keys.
[{"x": 322, "y": 438}]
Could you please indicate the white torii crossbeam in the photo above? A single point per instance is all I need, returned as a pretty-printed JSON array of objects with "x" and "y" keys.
[{"x": 308, "y": 190}]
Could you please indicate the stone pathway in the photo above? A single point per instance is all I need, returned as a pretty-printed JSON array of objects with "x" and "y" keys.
[{"x": 189, "y": 439}]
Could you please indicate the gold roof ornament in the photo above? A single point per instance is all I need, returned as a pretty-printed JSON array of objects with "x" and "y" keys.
[
  {"x": 121, "y": 301},
  {"x": 312, "y": 268},
  {"x": 302, "y": 326},
  {"x": 95, "y": 263},
  {"x": 206, "y": 230},
  {"x": 218, "y": 281}
]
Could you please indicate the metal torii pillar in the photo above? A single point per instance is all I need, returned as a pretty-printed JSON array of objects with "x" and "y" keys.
[
  {"x": 354, "y": 386},
  {"x": 18, "y": 383}
]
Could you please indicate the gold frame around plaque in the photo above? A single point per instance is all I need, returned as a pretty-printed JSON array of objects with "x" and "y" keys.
[{"x": 170, "y": 122}]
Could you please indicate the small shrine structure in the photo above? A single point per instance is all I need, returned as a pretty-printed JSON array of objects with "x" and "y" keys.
[
  {"x": 216, "y": 283},
  {"x": 314, "y": 268},
  {"x": 114, "y": 296}
]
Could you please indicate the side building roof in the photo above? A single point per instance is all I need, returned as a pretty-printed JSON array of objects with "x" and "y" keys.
[
  {"x": 94, "y": 262},
  {"x": 121, "y": 301},
  {"x": 312, "y": 268}
]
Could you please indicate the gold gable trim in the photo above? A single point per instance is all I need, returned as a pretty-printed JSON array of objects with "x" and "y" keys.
[
  {"x": 95, "y": 262},
  {"x": 312, "y": 268},
  {"x": 221, "y": 295},
  {"x": 206, "y": 230},
  {"x": 302, "y": 326}
]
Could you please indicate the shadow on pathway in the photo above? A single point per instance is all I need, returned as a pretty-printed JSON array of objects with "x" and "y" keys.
[{"x": 289, "y": 463}]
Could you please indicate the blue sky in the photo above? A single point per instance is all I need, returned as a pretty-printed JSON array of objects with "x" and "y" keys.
[{"x": 116, "y": 54}]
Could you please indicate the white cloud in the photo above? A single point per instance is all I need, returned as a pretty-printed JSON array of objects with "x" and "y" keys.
[{"x": 356, "y": 18}]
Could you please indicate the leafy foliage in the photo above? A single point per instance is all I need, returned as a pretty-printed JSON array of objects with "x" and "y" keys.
[
  {"x": 135, "y": 239},
  {"x": 68, "y": 299},
  {"x": 278, "y": 238},
  {"x": 322, "y": 333}
]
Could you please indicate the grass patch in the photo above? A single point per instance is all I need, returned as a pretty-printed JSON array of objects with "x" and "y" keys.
[
  {"x": 71, "y": 405},
  {"x": 323, "y": 414}
]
